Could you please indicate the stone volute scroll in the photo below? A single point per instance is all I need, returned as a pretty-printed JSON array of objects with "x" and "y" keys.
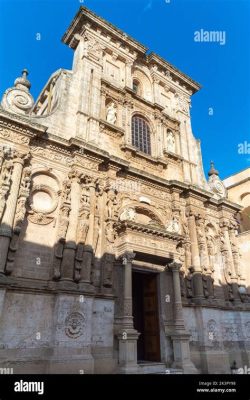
[
  {"x": 215, "y": 183},
  {"x": 18, "y": 98}
]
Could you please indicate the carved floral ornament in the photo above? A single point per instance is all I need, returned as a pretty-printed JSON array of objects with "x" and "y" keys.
[{"x": 13, "y": 136}]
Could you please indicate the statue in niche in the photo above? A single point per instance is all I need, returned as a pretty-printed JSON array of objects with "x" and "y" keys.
[
  {"x": 111, "y": 203},
  {"x": 170, "y": 142},
  {"x": 66, "y": 191},
  {"x": 6, "y": 174},
  {"x": 83, "y": 225},
  {"x": 111, "y": 113},
  {"x": 26, "y": 181},
  {"x": 85, "y": 195}
]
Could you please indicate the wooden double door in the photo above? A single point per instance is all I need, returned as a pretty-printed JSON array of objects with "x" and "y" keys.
[{"x": 146, "y": 315}]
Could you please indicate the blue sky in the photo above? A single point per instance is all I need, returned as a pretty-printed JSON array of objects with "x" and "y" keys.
[{"x": 165, "y": 27}]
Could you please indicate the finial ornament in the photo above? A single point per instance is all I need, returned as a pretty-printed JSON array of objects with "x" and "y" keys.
[{"x": 212, "y": 170}]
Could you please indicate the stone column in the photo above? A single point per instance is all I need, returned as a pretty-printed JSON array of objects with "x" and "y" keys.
[
  {"x": 178, "y": 312},
  {"x": 196, "y": 268},
  {"x": 9, "y": 214},
  {"x": 180, "y": 337},
  {"x": 127, "y": 335}
]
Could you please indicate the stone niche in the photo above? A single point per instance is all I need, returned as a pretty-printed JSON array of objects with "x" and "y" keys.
[{"x": 33, "y": 257}]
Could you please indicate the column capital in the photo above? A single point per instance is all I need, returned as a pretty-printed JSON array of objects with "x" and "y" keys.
[
  {"x": 174, "y": 266},
  {"x": 127, "y": 257},
  {"x": 20, "y": 157}
]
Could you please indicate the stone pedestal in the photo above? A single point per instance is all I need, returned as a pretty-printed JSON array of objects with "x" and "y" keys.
[
  {"x": 182, "y": 353},
  {"x": 127, "y": 335},
  {"x": 180, "y": 337},
  {"x": 128, "y": 351}
]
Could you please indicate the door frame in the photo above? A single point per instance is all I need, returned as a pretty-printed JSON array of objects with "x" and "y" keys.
[{"x": 148, "y": 271}]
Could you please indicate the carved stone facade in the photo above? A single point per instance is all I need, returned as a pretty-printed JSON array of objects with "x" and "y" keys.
[{"x": 87, "y": 208}]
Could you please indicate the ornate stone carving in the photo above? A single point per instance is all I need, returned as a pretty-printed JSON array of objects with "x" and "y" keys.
[
  {"x": 74, "y": 325},
  {"x": 13, "y": 136},
  {"x": 5, "y": 182},
  {"x": 128, "y": 214},
  {"x": 226, "y": 256},
  {"x": 183, "y": 104},
  {"x": 215, "y": 183},
  {"x": 38, "y": 213},
  {"x": 111, "y": 204},
  {"x": 52, "y": 154},
  {"x": 19, "y": 218},
  {"x": 62, "y": 228},
  {"x": 92, "y": 48},
  {"x": 174, "y": 225}
]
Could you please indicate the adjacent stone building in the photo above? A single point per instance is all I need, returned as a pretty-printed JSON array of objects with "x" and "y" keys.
[{"x": 116, "y": 254}]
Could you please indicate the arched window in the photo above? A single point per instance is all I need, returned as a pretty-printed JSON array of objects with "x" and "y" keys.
[{"x": 141, "y": 134}]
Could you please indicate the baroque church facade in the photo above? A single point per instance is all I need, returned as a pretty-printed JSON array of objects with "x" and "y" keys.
[{"x": 117, "y": 255}]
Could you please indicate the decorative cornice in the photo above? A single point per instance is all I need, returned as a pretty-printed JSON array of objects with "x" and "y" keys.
[
  {"x": 186, "y": 81},
  {"x": 84, "y": 16},
  {"x": 137, "y": 153},
  {"x": 111, "y": 129},
  {"x": 21, "y": 124},
  {"x": 123, "y": 226}
]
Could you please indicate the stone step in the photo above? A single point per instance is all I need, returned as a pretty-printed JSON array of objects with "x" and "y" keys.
[{"x": 157, "y": 368}]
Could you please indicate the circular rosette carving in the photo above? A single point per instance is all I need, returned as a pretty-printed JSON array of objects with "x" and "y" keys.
[
  {"x": 19, "y": 101},
  {"x": 74, "y": 325},
  {"x": 43, "y": 200}
]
